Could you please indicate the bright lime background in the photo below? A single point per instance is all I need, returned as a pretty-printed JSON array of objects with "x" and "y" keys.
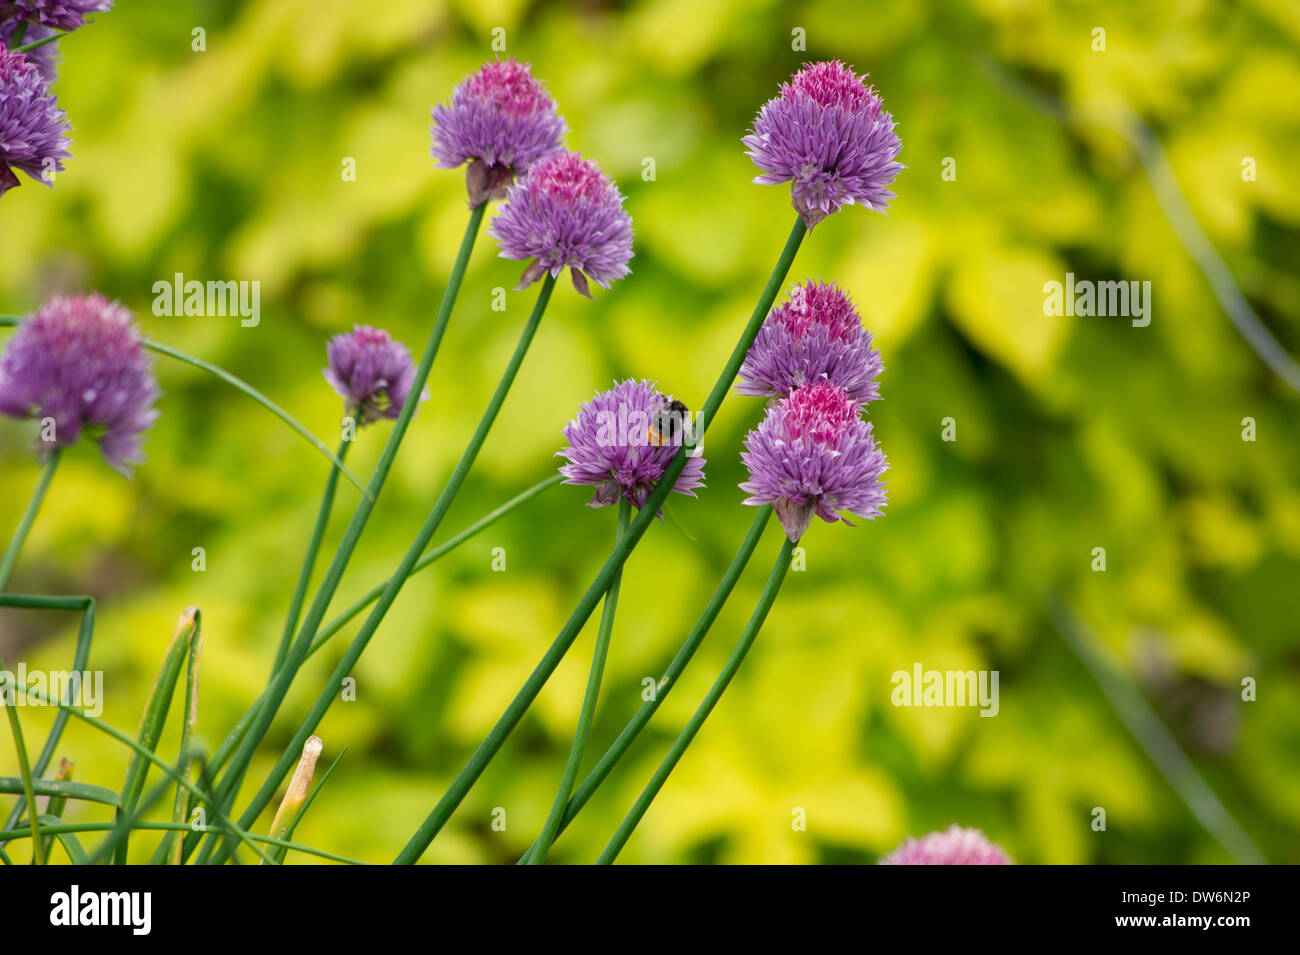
[{"x": 1072, "y": 433}]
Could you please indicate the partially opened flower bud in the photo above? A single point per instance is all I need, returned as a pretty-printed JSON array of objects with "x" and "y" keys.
[
  {"x": 953, "y": 846},
  {"x": 566, "y": 213},
  {"x": 813, "y": 455},
  {"x": 500, "y": 120},
  {"x": 816, "y": 335},
  {"x": 619, "y": 445},
  {"x": 33, "y": 130},
  {"x": 828, "y": 134},
  {"x": 79, "y": 361},
  {"x": 371, "y": 371}
]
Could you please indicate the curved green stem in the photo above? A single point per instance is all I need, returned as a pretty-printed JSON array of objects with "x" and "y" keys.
[
  {"x": 309, "y": 561},
  {"x": 436, "y": 819},
  {"x": 279, "y": 685},
  {"x": 10, "y": 557},
  {"x": 80, "y": 657},
  {"x": 7, "y": 563},
  {"x": 232, "y": 740},
  {"x": 552, "y": 827},
  {"x": 405, "y": 568},
  {"x": 657, "y": 781},
  {"x": 642, "y": 716}
]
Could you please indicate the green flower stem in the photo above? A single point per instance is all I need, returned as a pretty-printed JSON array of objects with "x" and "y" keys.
[
  {"x": 224, "y": 824},
  {"x": 70, "y": 827},
  {"x": 279, "y": 685},
  {"x": 330, "y": 692},
  {"x": 28, "y": 47},
  {"x": 80, "y": 657},
  {"x": 185, "y": 640},
  {"x": 7, "y": 563},
  {"x": 552, "y": 827},
  {"x": 657, "y": 781},
  {"x": 537, "y": 679},
  {"x": 309, "y": 561},
  {"x": 20, "y": 31},
  {"x": 638, "y": 722},
  {"x": 338, "y": 623},
  {"x": 13, "y": 321},
  {"x": 10, "y": 557}
]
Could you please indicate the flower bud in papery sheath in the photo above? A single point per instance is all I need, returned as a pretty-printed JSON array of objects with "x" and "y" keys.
[
  {"x": 371, "y": 371},
  {"x": 62, "y": 14},
  {"x": 953, "y": 846},
  {"x": 44, "y": 57},
  {"x": 500, "y": 120},
  {"x": 566, "y": 213},
  {"x": 617, "y": 447},
  {"x": 80, "y": 362},
  {"x": 813, "y": 455},
  {"x": 828, "y": 134},
  {"x": 32, "y": 127},
  {"x": 815, "y": 335}
]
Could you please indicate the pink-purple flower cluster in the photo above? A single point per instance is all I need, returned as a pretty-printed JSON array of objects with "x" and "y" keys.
[
  {"x": 79, "y": 361},
  {"x": 61, "y": 14},
  {"x": 953, "y": 846},
  {"x": 372, "y": 372},
  {"x": 816, "y": 335},
  {"x": 43, "y": 56},
  {"x": 813, "y": 455},
  {"x": 827, "y": 133},
  {"x": 614, "y": 446},
  {"x": 500, "y": 120},
  {"x": 33, "y": 130},
  {"x": 566, "y": 213}
]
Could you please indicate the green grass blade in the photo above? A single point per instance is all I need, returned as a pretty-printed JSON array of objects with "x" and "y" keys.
[
  {"x": 71, "y": 844},
  {"x": 65, "y": 789}
]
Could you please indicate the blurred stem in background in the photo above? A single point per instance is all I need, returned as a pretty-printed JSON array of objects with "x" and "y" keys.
[
  {"x": 642, "y": 717},
  {"x": 1152, "y": 735},
  {"x": 765, "y": 601},
  {"x": 279, "y": 685},
  {"x": 436, "y": 819},
  {"x": 1164, "y": 186},
  {"x": 330, "y": 691},
  {"x": 7, "y": 563},
  {"x": 551, "y": 827},
  {"x": 309, "y": 561}
]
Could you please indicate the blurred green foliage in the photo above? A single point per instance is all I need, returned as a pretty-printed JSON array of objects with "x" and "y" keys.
[{"x": 1072, "y": 433}]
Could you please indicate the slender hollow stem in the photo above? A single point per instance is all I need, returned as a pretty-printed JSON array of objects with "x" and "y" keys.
[
  {"x": 570, "y": 775},
  {"x": 225, "y": 824},
  {"x": 10, "y": 557},
  {"x": 278, "y": 688},
  {"x": 309, "y": 561},
  {"x": 80, "y": 658},
  {"x": 514, "y": 712},
  {"x": 765, "y": 600},
  {"x": 642, "y": 716},
  {"x": 236, "y": 734},
  {"x": 7, "y": 563},
  {"x": 330, "y": 691}
]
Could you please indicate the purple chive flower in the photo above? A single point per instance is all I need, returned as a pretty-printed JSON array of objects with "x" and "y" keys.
[
  {"x": 566, "y": 212},
  {"x": 616, "y": 445},
  {"x": 44, "y": 57},
  {"x": 828, "y": 132},
  {"x": 953, "y": 846},
  {"x": 812, "y": 454},
  {"x": 80, "y": 362},
  {"x": 501, "y": 120},
  {"x": 816, "y": 335},
  {"x": 62, "y": 14},
  {"x": 371, "y": 371},
  {"x": 32, "y": 127}
]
